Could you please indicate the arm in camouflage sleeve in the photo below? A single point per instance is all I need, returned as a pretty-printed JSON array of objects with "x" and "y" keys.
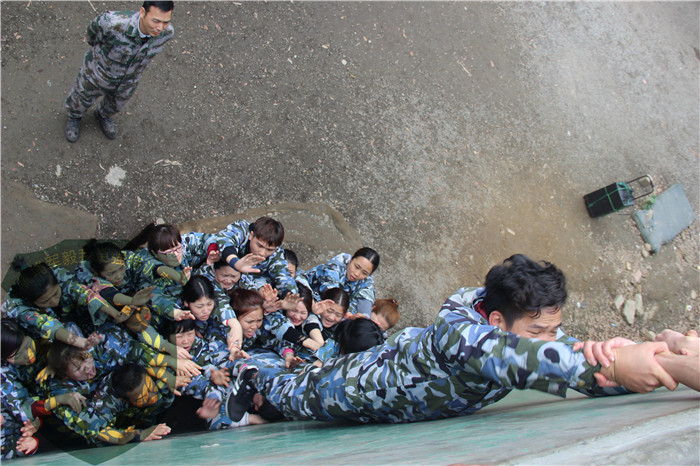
[
  {"x": 196, "y": 247},
  {"x": 94, "y": 31},
  {"x": 29, "y": 317},
  {"x": 278, "y": 272}
]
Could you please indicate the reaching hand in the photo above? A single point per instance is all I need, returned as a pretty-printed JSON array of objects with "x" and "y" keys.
[
  {"x": 322, "y": 306},
  {"x": 155, "y": 433},
  {"x": 142, "y": 296},
  {"x": 210, "y": 408},
  {"x": 238, "y": 354},
  {"x": 220, "y": 377},
  {"x": 74, "y": 400},
  {"x": 636, "y": 368},
  {"x": 27, "y": 445},
  {"x": 267, "y": 292},
  {"x": 688, "y": 344},
  {"x": 188, "y": 367},
  {"x": 213, "y": 257},
  {"x": 248, "y": 262},
  {"x": 181, "y": 314},
  {"x": 601, "y": 351},
  {"x": 290, "y": 301}
]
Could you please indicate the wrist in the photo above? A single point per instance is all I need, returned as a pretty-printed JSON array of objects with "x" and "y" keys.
[{"x": 233, "y": 262}]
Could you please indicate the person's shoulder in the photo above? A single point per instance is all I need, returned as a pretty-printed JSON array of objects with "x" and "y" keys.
[{"x": 117, "y": 17}]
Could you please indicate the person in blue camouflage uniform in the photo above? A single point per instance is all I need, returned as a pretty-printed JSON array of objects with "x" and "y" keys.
[
  {"x": 122, "y": 44},
  {"x": 255, "y": 251},
  {"x": 484, "y": 343},
  {"x": 45, "y": 296},
  {"x": 123, "y": 408},
  {"x": 20, "y": 403},
  {"x": 350, "y": 273}
]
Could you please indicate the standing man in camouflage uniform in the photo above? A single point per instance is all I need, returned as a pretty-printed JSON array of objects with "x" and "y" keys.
[
  {"x": 484, "y": 343},
  {"x": 123, "y": 43}
]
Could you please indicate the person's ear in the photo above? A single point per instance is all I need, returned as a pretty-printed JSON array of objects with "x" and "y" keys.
[
  {"x": 251, "y": 236},
  {"x": 496, "y": 319},
  {"x": 142, "y": 12}
]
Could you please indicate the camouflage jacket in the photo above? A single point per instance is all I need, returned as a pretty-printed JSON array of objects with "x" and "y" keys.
[
  {"x": 454, "y": 367},
  {"x": 117, "y": 51},
  {"x": 333, "y": 274},
  {"x": 273, "y": 270}
]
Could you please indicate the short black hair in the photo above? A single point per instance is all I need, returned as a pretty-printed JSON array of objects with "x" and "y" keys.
[
  {"x": 127, "y": 378},
  {"x": 11, "y": 338},
  {"x": 291, "y": 257},
  {"x": 357, "y": 335},
  {"x": 522, "y": 286},
  {"x": 162, "y": 6}
]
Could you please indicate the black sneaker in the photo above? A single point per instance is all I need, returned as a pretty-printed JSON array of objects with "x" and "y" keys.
[
  {"x": 72, "y": 131},
  {"x": 107, "y": 125},
  {"x": 242, "y": 394}
]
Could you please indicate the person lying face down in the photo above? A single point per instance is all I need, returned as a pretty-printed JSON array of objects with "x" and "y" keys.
[{"x": 484, "y": 343}]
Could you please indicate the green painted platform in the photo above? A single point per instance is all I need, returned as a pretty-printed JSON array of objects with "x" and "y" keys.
[{"x": 526, "y": 427}]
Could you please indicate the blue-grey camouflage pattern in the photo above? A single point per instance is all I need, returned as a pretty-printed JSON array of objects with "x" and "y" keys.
[
  {"x": 333, "y": 274},
  {"x": 454, "y": 367},
  {"x": 113, "y": 65},
  {"x": 273, "y": 270},
  {"x": 76, "y": 302}
]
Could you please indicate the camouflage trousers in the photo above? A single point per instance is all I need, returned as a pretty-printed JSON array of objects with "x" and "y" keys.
[{"x": 88, "y": 88}]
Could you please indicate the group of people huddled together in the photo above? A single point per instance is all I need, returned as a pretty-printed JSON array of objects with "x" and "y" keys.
[{"x": 143, "y": 339}]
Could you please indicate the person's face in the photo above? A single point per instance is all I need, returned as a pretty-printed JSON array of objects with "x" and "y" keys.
[
  {"x": 543, "y": 328},
  {"x": 380, "y": 321},
  {"x": 81, "y": 368},
  {"x": 260, "y": 247},
  {"x": 332, "y": 315},
  {"x": 251, "y": 322},
  {"x": 171, "y": 257},
  {"x": 154, "y": 21},
  {"x": 25, "y": 354},
  {"x": 227, "y": 276},
  {"x": 292, "y": 269},
  {"x": 202, "y": 308},
  {"x": 146, "y": 394},
  {"x": 183, "y": 339},
  {"x": 358, "y": 269},
  {"x": 298, "y": 315},
  {"x": 114, "y": 271},
  {"x": 50, "y": 298}
]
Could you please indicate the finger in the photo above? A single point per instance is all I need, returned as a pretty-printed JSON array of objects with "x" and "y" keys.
[
  {"x": 691, "y": 333},
  {"x": 665, "y": 379},
  {"x": 603, "y": 381}
]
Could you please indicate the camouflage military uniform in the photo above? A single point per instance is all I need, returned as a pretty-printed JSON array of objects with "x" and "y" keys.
[
  {"x": 333, "y": 274},
  {"x": 455, "y": 367},
  {"x": 222, "y": 297},
  {"x": 113, "y": 66},
  {"x": 45, "y": 323},
  {"x": 273, "y": 270}
]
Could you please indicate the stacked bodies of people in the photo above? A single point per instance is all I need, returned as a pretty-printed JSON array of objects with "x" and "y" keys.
[{"x": 178, "y": 332}]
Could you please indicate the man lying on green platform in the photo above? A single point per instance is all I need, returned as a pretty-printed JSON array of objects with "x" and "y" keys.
[{"x": 484, "y": 343}]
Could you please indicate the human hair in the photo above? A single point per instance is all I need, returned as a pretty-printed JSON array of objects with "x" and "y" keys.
[
  {"x": 220, "y": 263},
  {"x": 357, "y": 335},
  {"x": 33, "y": 281},
  {"x": 101, "y": 254},
  {"x": 162, "y": 6},
  {"x": 180, "y": 326},
  {"x": 338, "y": 296},
  {"x": 157, "y": 237},
  {"x": 61, "y": 354},
  {"x": 306, "y": 296},
  {"x": 245, "y": 301},
  {"x": 269, "y": 230},
  {"x": 521, "y": 286},
  {"x": 197, "y": 287},
  {"x": 291, "y": 257},
  {"x": 370, "y": 254},
  {"x": 389, "y": 309},
  {"x": 11, "y": 337},
  {"x": 126, "y": 379}
]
